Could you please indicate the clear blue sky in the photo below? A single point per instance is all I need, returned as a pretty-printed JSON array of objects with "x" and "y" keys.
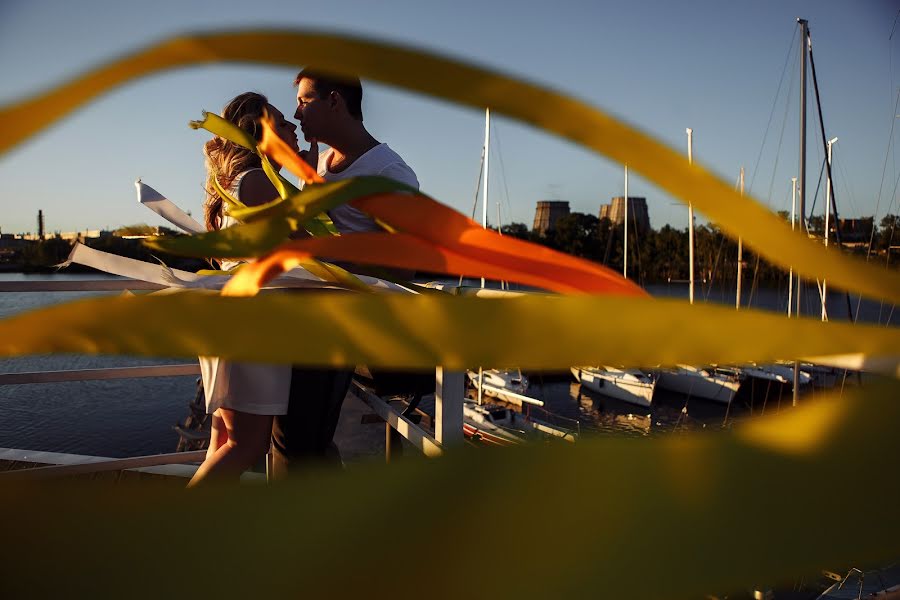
[{"x": 660, "y": 65}]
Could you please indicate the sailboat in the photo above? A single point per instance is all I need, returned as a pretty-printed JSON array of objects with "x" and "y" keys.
[
  {"x": 711, "y": 383},
  {"x": 630, "y": 385},
  {"x": 496, "y": 425},
  {"x": 503, "y": 384},
  {"x": 508, "y": 385},
  {"x": 778, "y": 373},
  {"x": 801, "y": 375}
]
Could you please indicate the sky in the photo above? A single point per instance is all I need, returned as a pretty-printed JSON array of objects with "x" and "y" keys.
[{"x": 728, "y": 70}]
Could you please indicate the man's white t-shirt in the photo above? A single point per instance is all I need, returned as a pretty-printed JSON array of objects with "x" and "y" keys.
[{"x": 381, "y": 161}]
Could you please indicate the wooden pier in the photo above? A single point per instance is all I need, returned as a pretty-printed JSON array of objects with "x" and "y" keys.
[{"x": 358, "y": 435}]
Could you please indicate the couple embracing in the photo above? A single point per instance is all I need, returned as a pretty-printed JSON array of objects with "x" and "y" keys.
[{"x": 294, "y": 409}]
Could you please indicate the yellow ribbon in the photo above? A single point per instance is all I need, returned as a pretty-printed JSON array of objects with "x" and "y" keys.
[
  {"x": 682, "y": 516},
  {"x": 549, "y": 332}
]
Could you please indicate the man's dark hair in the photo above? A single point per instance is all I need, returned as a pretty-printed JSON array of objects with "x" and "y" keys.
[{"x": 349, "y": 88}]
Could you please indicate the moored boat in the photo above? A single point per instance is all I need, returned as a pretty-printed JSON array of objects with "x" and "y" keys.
[
  {"x": 630, "y": 385},
  {"x": 777, "y": 373},
  {"x": 506, "y": 385},
  {"x": 495, "y": 381},
  {"x": 708, "y": 383},
  {"x": 827, "y": 377},
  {"x": 497, "y": 425}
]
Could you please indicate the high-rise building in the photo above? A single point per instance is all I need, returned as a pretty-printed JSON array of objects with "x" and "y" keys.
[
  {"x": 637, "y": 212},
  {"x": 547, "y": 213}
]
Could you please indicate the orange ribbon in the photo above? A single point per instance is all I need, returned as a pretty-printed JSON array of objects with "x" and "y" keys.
[{"x": 433, "y": 238}]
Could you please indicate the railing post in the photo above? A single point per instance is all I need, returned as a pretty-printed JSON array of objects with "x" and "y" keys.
[
  {"x": 448, "y": 407},
  {"x": 393, "y": 443}
]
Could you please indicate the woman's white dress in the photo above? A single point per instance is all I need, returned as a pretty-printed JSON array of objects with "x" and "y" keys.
[{"x": 256, "y": 388}]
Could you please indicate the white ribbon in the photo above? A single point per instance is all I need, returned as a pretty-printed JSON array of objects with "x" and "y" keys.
[{"x": 167, "y": 209}]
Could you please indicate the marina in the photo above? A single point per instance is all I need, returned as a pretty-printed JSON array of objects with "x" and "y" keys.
[{"x": 134, "y": 417}]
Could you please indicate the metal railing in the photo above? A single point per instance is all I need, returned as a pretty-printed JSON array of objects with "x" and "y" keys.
[
  {"x": 62, "y": 465},
  {"x": 448, "y": 417},
  {"x": 99, "y": 374}
]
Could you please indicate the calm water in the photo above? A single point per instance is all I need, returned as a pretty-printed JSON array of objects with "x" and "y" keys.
[
  {"x": 126, "y": 417},
  {"x": 670, "y": 411},
  {"x": 132, "y": 417}
]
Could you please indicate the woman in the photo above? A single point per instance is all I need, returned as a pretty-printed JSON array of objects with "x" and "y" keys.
[{"x": 242, "y": 397}]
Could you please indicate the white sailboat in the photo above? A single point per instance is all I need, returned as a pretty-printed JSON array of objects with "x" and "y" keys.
[
  {"x": 710, "y": 383},
  {"x": 798, "y": 375},
  {"x": 629, "y": 385},
  {"x": 504, "y": 384},
  {"x": 778, "y": 373}
]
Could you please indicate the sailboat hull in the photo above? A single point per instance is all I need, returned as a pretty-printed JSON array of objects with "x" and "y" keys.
[
  {"x": 699, "y": 385},
  {"x": 618, "y": 385}
]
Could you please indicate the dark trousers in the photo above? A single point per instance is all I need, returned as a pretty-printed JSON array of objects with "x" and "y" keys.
[{"x": 305, "y": 435}]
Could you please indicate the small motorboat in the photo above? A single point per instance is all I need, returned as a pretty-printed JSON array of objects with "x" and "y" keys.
[
  {"x": 504, "y": 384},
  {"x": 498, "y": 425}
]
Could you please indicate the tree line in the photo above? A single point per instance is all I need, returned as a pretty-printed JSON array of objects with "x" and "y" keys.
[
  {"x": 42, "y": 256},
  {"x": 654, "y": 256},
  {"x": 659, "y": 256}
]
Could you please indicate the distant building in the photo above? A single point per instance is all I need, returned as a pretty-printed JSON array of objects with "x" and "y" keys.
[
  {"x": 547, "y": 213},
  {"x": 80, "y": 236},
  {"x": 10, "y": 242},
  {"x": 69, "y": 236},
  {"x": 637, "y": 212}
]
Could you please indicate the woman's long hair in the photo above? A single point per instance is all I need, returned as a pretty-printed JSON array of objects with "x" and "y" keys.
[{"x": 226, "y": 160}]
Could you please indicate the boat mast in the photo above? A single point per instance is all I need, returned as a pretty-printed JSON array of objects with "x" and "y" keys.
[
  {"x": 830, "y": 143},
  {"x": 833, "y": 203},
  {"x": 802, "y": 212},
  {"x": 791, "y": 271},
  {"x": 625, "y": 261},
  {"x": 487, "y": 155},
  {"x": 801, "y": 192},
  {"x": 740, "y": 259},
  {"x": 504, "y": 285},
  {"x": 690, "y": 137},
  {"x": 484, "y": 209}
]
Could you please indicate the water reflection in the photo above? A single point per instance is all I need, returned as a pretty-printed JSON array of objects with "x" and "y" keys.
[{"x": 597, "y": 413}]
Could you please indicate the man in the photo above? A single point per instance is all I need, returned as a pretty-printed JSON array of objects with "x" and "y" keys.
[{"x": 330, "y": 111}]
